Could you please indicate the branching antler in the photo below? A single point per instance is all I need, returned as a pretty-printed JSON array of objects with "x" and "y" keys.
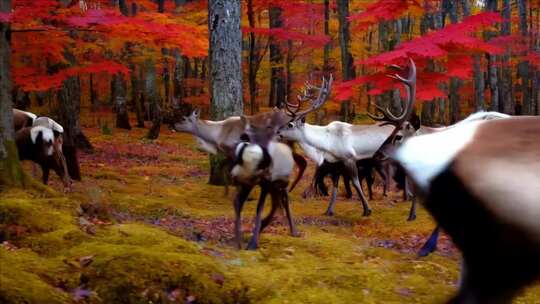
[
  {"x": 316, "y": 102},
  {"x": 410, "y": 85},
  {"x": 397, "y": 121}
]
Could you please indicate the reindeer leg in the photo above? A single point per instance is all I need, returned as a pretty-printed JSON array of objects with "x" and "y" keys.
[
  {"x": 350, "y": 165},
  {"x": 431, "y": 244},
  {"x": 241, "y": 196},
  {"x": 384, "y": 176},
  {"x": 347, "y": 183},
  {"x": 268, "y": 219},
  {"x": 45, "y": 177},
  {"x": 254, "y": 242},
  {"x": 331, "y": 204},
  {"x": 412, "y": 212},
  {"x": 283, "y": 196},
  {"x": 302, "y": 164},
  {"x": 310, "y": 190}
]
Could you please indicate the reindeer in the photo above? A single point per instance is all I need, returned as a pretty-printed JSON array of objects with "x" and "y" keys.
[
  {"x": 56, "y": 160},
  {"x": 22, "y": 119},
  {"x": 344, "y": 141},
  {"x": 38, "y": 145},
  {"x": 223, "y": 136},
  {"x": 492, "y": 216},
  {"x": 269, "y": 166}
]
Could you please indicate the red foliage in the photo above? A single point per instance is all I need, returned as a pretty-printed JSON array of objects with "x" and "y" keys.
[
  {"x": 5, "y": 17},
  {"x": 456, "y": 43},
  {"x": 384, "y": 10},
  {"x": 32, "y": 79}
]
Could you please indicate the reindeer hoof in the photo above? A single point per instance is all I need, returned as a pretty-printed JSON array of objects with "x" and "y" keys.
[
  {"x": 329, "y": 213},
  {"x": 295, "y": 234},
  {"x": 367, "y": 212},
  {"x": 411, "y": 217}
]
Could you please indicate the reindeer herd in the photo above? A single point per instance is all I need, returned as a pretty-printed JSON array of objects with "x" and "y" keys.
[{"x": 479, "y": 178}]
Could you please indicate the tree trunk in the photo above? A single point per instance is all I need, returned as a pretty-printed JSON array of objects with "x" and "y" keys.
[
  {"x": 450, "y": 8},
  {"x": 69, "y": 108},
  {"x": 277, "y": 78},
  {"x": 118, "y": 97},
  {"x": 136, "y": 96},
  {"x": 69, "y": 103},
  {"x": 347, "y": 62},
  {"x": 178, "y": 79},
  {"x": 10, "y": 166},
  {"x": 225, "y": 70},
  {"x": 161, "y": 6},
  {"x": 152, "y": 98},
  {"x": 478, "y": 84},
  {"x": 167, "y": 85},
  {"x": 288, "y": 65},
  {"x": 523, "y": 66},
  {"x": 253, "y": 59},
  {"x": 326, "y": 57},
  {"x": 123, "y": 7},
  {"x": 508, "y": 104},
  {"x": 187, "y": 74},
  {"x": 194, "y": 76},
  {"x": 94, "y": 103}
]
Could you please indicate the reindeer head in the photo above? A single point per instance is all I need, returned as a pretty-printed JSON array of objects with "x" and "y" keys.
[
  {"x": 188, "y": 123},
  {"x": 262, "y": 128},
  {"x": 43, "y": 140},
  {"x": 293, "y": 129}
]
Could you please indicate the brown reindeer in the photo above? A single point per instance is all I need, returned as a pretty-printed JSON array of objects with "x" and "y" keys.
[
  {"x": 224, "y": 135},
  {"x": 481, "y": 182},
  {"x": 57, "y": 160},
  {"x": 38, "y": 145}
]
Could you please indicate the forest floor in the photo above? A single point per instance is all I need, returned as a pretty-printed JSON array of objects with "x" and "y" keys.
[{"x": 145, "y": 227}]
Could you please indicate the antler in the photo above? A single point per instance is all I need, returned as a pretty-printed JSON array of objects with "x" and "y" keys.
[
  {"x": 410, "y": 85},
  {"x": 316, "y": 103}
]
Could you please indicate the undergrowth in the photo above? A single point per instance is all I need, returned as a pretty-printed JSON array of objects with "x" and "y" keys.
[{"x": 145, "y": 227}]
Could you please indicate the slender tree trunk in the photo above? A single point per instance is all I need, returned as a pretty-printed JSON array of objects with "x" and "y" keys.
[
  {"x": 288, "y": 65},
  {"x": 277, "y": 78},
  {"x": 225, "y": 70},
  {"x": 10, "y": 166},
  {"x": 508, "y": 105},
  {"x": 136, "y": 97},
  {"x": 478, "y": 84},
  {"x": 178, "y": 79},
  {"x": 152, "y": 98},
  {"x": 167, "y": 85},
  {"x": 523, "y": 66},
  {"x": 327, "y": 46},
  {"x": 450, "y": 8},
  {"x": 252, "y": 59},
  {"x": 123, "y": 7},
  {"x": 119, "y": 99},
  {"x": 161, "y": 6},
  {"x": 94, "y": 103},
  {"x": 347, "y": 61},
  {"x": 187, "y": 74},
  {"x": 195, "y": 75}
]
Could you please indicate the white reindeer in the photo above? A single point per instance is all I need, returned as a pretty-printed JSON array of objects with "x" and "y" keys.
[{"x": 346, "y": 142}]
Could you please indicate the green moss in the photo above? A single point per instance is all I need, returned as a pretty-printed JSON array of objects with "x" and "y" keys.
[
  {"x": 27, "y": 278},
  {"x": 334, "y": 261}
]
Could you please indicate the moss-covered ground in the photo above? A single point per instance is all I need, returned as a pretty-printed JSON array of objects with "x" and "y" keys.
[{"x": 145, "y": 227}]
